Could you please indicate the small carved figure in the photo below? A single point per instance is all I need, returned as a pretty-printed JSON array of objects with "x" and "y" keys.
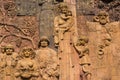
[
  {"x": 9, "y": 59},
  {"x": 62, "y": 23},
  {"x": 27, "y": 68},
  {"x": 83, "y": 52},
  {"x": 102, "y": 18},
  {"x": 47, "y": 59}
]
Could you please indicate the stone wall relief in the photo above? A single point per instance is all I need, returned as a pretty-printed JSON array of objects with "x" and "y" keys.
[
  {"x": 49, "y": 65},
  {"x": 27, "y": 67},
  {"x": 84, "y": 59},
  {"x": 100, "y": 26},
  {"x": 62, "y": 23},
  {"x": 8, "y": 62},
  {"x": 103, "y": 34},
  {"x": 65, "y": 34}
]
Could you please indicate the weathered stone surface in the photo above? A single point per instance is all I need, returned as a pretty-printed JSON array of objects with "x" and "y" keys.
[
  {"x": 103, "y": 47},
  {"x": 26, "y": 7},
  {"x": 23, "y": 22}
]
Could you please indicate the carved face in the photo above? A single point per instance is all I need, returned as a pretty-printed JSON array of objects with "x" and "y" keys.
[
  {"x": 63, "y": 8},
  {"x": 27, "y": 53},
  {"x": 44, "y": 43},
  {"x": 103, "y": 18},
  {"x": 9, "y": 51}
]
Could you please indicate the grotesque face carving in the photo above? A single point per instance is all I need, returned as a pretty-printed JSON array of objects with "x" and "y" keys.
[
  {"x": 27, "y": 53},
  {"x": 102, "y": 18},
  {"x": 9, "y": 49}
]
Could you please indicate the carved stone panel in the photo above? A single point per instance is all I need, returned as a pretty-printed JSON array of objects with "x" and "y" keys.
[
  {"x": 17, "y": 30},
  {"x": 103, "y": 46}
]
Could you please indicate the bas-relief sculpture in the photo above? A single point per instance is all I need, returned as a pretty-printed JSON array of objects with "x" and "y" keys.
[
  {"x": 29, "y": 64},
  {"x": 64, "y": 37},
  {"x": 48, "y": 60},
  {"x": 27, "y": 67},
  {"x": 103, "y": 37},
  {"x": 76, "y": 59},
  {"x": 84, "y": 59},
  {"x": 8, "y": 62}
]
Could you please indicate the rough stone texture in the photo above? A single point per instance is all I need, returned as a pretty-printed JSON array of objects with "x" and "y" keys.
[
  {"x": 103, "y": 47},
  {"x": 26, "y": 7},
  {"x": 92, "y": 7}
]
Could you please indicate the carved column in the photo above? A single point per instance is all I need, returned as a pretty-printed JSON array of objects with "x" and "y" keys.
[
  {"x": 75, "y": 72},
  {"x": 69, "y": 66}
]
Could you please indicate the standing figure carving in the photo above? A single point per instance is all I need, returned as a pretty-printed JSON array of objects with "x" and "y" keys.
[
  {"x": 62, "y": 23},
  {"x": 9, "y": 62},
  {"x": 48, "y": 62},
  {"x": 27, "y": 68},
  {"x": 84, "y": 59},
  {"x": 64, "y": 36}
]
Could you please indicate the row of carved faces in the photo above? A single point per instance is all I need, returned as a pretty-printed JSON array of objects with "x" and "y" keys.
[{"x": 24, "y": 62}]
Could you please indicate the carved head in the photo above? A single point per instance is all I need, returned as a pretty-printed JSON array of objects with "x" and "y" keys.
[
  {"x": 9, "y": 49},
  {"x": 102, "y": 17},
  {"x": 44, "y": 42},
  {"x": 27, "y": 52},
  {"x": 69, "y": 13},
  {"x": 82, "y": 40},
  {"x": 63, "y": 8}
]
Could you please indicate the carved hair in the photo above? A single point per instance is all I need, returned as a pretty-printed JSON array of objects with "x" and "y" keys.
[{"x": 60, "y": 6}]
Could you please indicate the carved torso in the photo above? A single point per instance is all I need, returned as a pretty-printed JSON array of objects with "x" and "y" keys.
[{"x": 27, "y": 68}]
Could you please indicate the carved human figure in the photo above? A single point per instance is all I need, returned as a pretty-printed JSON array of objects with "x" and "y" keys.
[
  {"x": 100, "y": 26},
  {"x": 65, "y": 35},
  {"x": 27, "y": 68},
  {"x": 62, "y": 23},
  {"x": 84, "y": 59},
  {"x": 47, "y": 58},
  {"x": 9, "y": 61}
]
